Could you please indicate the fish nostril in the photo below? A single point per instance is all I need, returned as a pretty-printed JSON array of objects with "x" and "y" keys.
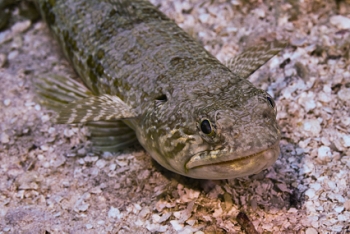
[
  {"x": 265, "y": 114},
  {"x": 236, "y": 135}
]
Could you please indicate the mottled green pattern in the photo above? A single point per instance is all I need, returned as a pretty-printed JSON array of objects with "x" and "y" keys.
[{"x": 131, "y": 50}]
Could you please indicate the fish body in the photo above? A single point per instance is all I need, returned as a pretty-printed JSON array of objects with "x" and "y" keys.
[{"x": 143, "y": 73}]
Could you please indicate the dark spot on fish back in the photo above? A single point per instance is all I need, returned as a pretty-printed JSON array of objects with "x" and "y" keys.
[
  {"x": 90, "y": 61},
  {"x": 93, "y": 76},
  {"x": 112, "y": 12},
  {"x": 99, "y": 69},
  {"x": 100, "y": 53},
  {"x": 70, "y": 43}
]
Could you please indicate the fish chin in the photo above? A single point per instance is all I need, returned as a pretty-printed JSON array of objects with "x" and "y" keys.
[{"x": 244, "y": 166}]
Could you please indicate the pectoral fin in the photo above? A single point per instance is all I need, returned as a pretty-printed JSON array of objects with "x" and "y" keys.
[
  {"x": 56, "y": 91},
  {"x": 95, "y": 108},
  {"x": 110, "y": 136},
  {"x": 254, "y": 57},
  {"x": 75, "y": 103}
]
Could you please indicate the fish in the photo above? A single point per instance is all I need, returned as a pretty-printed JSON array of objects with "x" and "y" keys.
[{"x": 143, "y": 78}]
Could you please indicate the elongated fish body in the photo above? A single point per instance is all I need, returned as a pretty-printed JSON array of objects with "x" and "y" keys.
[{"x": 193, "y": 115}]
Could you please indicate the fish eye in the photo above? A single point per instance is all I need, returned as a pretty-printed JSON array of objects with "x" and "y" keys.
[
  {"x": 206, "y": 127},
  {"x": 271, "y": 101}
]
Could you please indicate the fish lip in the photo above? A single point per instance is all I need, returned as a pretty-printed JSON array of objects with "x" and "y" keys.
[{"x": 195, "y": 160}]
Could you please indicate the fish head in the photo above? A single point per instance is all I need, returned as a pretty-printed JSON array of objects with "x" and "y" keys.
[
  {"x": 241, "y": 138},
  {"x": 221, "y": 135}
]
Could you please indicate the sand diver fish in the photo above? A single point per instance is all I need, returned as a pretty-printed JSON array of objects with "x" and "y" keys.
[{"x": 145, "y": 78}]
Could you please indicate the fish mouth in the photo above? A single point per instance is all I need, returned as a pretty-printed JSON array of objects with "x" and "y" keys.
[{"x": 221, "y": 164}]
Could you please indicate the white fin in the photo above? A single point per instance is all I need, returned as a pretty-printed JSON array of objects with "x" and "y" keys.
[
  {"x": 95, "y": 108},
  {"x": 71, "y": 98},
  {"x": 57, "y": 91},
  {"x": 254, "y": 57}
]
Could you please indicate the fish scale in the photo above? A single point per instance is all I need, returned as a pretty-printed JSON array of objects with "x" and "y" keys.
[{"x": 191, "y": 113}]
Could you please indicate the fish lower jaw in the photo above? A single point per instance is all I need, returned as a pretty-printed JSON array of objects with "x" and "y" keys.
[{"x": 243, "y": 166}]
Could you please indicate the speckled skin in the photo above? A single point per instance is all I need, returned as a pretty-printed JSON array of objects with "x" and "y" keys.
[{"x": 131, "y": 50}]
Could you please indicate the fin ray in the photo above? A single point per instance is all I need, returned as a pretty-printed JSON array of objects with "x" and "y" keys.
[
  {"x": 95, "y": 108},
  {"x": 254, "y": 57},
  {"x": 68, "y": 97},
  {"x": 111, "y": 136},
  {"x": 55, "y": 91}
]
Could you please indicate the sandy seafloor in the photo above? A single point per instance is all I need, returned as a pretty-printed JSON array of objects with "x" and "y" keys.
[{"x": 50, "y": 182}]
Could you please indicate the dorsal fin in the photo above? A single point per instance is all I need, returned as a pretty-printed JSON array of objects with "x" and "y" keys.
[{"x": 254, "y": 57}]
